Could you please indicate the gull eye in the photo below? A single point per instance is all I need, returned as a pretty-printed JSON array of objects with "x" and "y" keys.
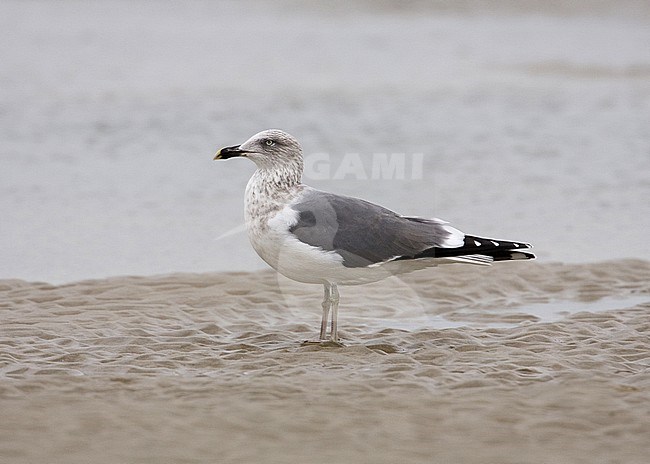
[{"x": 269, "y": 142}]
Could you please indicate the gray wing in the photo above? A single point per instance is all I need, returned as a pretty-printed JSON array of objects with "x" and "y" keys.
[{"x": 361, "y": 232}]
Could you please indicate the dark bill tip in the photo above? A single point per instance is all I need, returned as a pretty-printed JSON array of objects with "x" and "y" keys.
[{"x": 229, "y": 152}]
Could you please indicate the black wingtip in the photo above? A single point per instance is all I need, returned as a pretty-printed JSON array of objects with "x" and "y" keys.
[{"x": 498, "y": 250}]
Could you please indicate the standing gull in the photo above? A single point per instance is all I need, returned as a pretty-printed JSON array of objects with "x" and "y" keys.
[{"x": 322, "y": 238}]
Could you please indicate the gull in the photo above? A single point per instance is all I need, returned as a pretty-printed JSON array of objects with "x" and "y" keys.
[{"x": 318, "y": 237}]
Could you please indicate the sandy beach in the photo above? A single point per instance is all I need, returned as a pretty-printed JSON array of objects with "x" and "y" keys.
[{"x": 530, "y": 363}]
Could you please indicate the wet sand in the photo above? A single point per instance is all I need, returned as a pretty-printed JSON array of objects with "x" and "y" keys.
[{"x": 530, "y": 363}]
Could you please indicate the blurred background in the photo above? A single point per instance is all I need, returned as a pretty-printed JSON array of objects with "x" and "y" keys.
[{"x": 533, "y": 124}]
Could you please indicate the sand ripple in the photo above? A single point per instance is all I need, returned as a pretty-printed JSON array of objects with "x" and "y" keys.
[{"x": 533, "y": 363}]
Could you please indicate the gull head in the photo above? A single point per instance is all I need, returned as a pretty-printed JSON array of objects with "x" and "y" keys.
[{"x": 271, "y": 148}]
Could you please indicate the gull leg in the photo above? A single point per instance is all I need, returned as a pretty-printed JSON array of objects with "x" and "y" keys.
[
  {"x": 327, "y": 302},
  {"x": 334, "y": 302}
]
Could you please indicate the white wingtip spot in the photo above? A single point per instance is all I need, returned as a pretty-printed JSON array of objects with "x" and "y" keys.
[
  {"x": 477, "y": 243},
  {"x": 494, "y": 243}
]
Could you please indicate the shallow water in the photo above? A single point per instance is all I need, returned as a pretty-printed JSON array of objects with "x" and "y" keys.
[
  {"x": 531, "y": 126},
  {"x": 552, "y": 311}
]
